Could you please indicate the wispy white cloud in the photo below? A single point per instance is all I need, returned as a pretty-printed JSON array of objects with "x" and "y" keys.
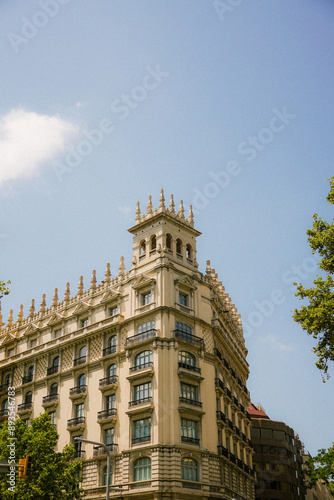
[
  {"x": 125, "y": 210},
  {"x": 28, "y": 140},
  {"x": 272, "y": 339}
]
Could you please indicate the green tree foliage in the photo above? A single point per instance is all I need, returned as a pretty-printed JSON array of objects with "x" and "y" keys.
[
  {"x": 317, "y": 318},
  {"x": 4, "y": 290},
  {"x": 53, "y": 476},
  {"x": 321, "y": 467}
]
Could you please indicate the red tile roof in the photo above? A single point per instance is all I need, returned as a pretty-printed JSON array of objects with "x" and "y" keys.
[{"x": 257, "y": 412}]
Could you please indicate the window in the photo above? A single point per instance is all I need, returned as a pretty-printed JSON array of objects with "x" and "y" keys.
[
  {"x": 187, "y": 359},
  {"x": 153, "y": 242},
  {"x": 28, "y": 397},
  {"x": 267, "y": 433},
  {"x": 77, "y": 446},
  {"x": 168, "y": 241},
  {"x": 31, "y": 372},
  {"x": 104, "y": 476},
  {"x": 142, "y": 469},
  {"x": 111, "y": 372},
  {"x": 113, "y": 311},
  {"x": 84, "y": 322},
  {"x": 4, "y": 405},
  {"x": 53, "y": 389},
  {"x": 109, "y": 436},
  {"x": 7, "y": 380},
  {"x": 142, "y": 392},
  {"x": 189, "y": 393},
  {"x": 55, "y": 362},
  {"x": 184, "y": 299},
  {"x": 189, "y": 431},
  {"x": 33, "y": 343},
  {"x": 146, "y": 327},
  {"x": 53, "y": 417},
  {"x": 188, "y": 252},
  {"x": 10, "y": 352},
  {"x": 189, "y": 469},
  {"x": 57, "y": 333},
  {"x": 145, "y": 298},
  {"x": 141, "y": 430},
  {"x": 112, "y": 343},
  {"x": 83, "y": 353},
  {"x": 183, "y": 327},
  {"x": 82, "y": 380},
  {"x": 79, "y": 410},
  {"x": 110, "y": 401},
  {"x": 142, "y": 248},
  {"x": 179, "y": 246},
  {"x": 143, "y": 359}
]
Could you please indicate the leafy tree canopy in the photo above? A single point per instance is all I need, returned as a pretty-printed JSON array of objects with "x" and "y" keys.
[
  {"x": 4, "y": 290},
  {"x": 317, "y": 318},
  {"x": 321, "y": 467},
  {"x": 53, "y": 476}
]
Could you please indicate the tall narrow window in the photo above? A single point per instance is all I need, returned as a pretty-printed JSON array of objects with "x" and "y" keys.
[
  {"x": 189, "y": 393},
  {"x": 146, "y": 298},
  {"x": 83, "y": 354},
  {"x": 184, "y": 299},
  {"x": 104, "y": 476},
  {"x": 142, "y": 469},
  {"x": 142, "y": 247},
  {"x": 142, "y": 392},
  {"x": 54, "y": 389},
  {"x": 7, "y": 380},
  {"x": 188, "y": 252},
  {"x": 109, "y": 436},
  {"x": 187, "y": 359},
  {"x": 189, "y": 469},
  {"x": 110, "y": 401},
  {"x": 111, "y": 372},
  {"x": 168, "y": 241},
  {"x": 153, "y": 242},
  {"x": 189, "y": 431},
  {"x": 82, "y": 380},
  {"x": 141, "y": 430},
  {"x": 30, "y": 372},
  {"x": 79, "y": 410},
  {"x": 179, "y": 246},
  {"x": 143, "y": 359}
]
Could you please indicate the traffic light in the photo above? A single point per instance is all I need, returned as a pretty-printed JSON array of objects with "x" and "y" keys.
[{"x": 25, "y": 470}]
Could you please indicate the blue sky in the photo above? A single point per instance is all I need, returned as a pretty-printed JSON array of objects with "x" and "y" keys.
[{"x": 228, "y": 105}]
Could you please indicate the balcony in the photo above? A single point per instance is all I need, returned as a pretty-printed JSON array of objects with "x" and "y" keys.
[
  {"x": 140, "y": 337},
  {"x": 188, "y": 337},
  {"x": 76, "y": 423},
  {"x": 78, "y": 391},
  {"x": 100, "y": 451},
  {"x": 234, "y": 401},
  {"x": 109, "y": 350},
  {"x": 190, "y": 401},
  {"x": 141, "y": 439},
  {"x": 189, "y": 367},
  {"x": 51, "y": 399},
  {"x": 80, "y": 361},
  {"x": 108, "y": 415},
  {"x": 186, "y": 439},
  {"x": 27, "y": 379},
  {"x": 136, "y": 368},
  {"x": 219, "y": 384},
  {"x": 52, "y": 370},
  {"x": 4, "y": 388},
  {"x": 227, "y": 393},
  {"x": 136, "y": 402},
  {"x": 220, "y": 416},
  {"x": 218, "y": 354},
  {"x": 223, "y": 451},
  {"x": 110, "y": 382},
  {"x": 229, "y": 424},
  {"x": 24, "y": 408}
]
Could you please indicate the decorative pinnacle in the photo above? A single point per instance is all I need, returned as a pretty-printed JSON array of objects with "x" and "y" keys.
[
  {"x": 67, "y": 292},
  {"x": 137, "y": 212},
  {"x": 107, "y": 274},
  {"x": 208, "y": 267},
  {"x": 32, "y": 308},
  {"x": 43, "y": 303},
  {"x": 181, "y": 210},
  {"x": 172, "y": 205},
  {"x": 93, "y": 280},
  {"x": 10, "y": 318},
  {"x": 191, "y": 215},
  {"x": 20, "y": 315},
  {"x": 161, "y": 200},
  {"x": 149, "y": 206},
  {"x": 121, "y": 267},
  {"x": 55, "y": 298},
  {"x": 80, "y": 286}
]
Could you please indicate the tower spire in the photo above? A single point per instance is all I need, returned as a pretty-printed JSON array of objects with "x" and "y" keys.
[
  {"x": 161, "y": 201},
  {"x": 137, "y": 218}
]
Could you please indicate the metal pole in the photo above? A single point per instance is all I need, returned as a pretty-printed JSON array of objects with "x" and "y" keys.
[{"x": 108, "y": 459}]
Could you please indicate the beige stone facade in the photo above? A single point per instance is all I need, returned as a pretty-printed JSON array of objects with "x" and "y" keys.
[{"x": 151, "y": 362}]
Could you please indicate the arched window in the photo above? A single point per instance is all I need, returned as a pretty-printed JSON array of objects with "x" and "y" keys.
[
  {"x": 186, "y": 358},
  {"x": 146, "y": 327},
  {"x": 143, "y": 359},
  {"x": 168, "y": 241},
  {"x": 104, "y": 475},
  {"x": 142, "y": 248},
  {"x": 28, "y": 397},
  {"x": 31, "y": 372},
  {"x": 183, "y": 327},
  {"x": 82, "y": 380},
  {"x": 4, "y": 405},
  {"x": 142, "y": 469},
  {"x": 188, "y": 251},
  {"x": 55, "y": 362},
  {"x": 189, "y": 469},
  {"x": 83, "y": 353},
  {"x": 111, "y": 371},
  {"x": 7, "y": 380},
  {"x": 54, "y": 389},
  {"x": 153, "y": 242},
  {"x": 112, "y": 343},
  {"x": 179, "y": 246}
]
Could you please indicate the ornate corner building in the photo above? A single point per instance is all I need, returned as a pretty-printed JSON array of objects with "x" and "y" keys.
[{"x": 151, "y": 362}]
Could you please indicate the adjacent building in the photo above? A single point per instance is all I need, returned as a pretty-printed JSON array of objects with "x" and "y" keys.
[
  {"x": 278, "y": 458},
  {"x": 151, "y": 362}
]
